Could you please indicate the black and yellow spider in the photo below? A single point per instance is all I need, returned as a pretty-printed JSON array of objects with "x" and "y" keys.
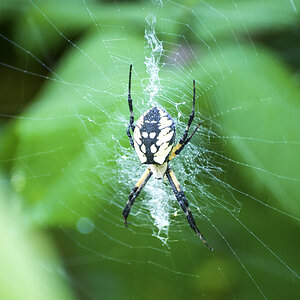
[{"x": 153, "y": 141}]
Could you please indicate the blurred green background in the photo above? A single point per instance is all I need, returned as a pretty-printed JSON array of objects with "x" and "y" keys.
[{"x": 64, "y": 179}]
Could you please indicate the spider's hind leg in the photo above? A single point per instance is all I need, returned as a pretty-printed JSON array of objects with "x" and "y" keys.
[
  {"x": 179, "y": 147},
  {"x": 182, "y": 140},
  {"x": 185, "y": 139},
  {"x": 131, "y": 126},
  {"x": 130, "y": 136},
  {"x": 131, "y": 120}
]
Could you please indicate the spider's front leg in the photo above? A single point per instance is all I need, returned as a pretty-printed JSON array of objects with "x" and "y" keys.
[
  {"x": 184, "y": 204},
  {"x": 135, "y": 192}
]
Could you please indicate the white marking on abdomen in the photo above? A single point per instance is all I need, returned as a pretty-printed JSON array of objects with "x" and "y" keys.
[
  {"x": 153, "y": 149},
  {"x": 152, "y": 135}
]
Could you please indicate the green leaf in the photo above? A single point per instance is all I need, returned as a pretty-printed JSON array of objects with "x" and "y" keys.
[
  {"x": 216, "y": 21},
  {"x": 29, "y": 266},
  {"x": 257, "y": 108},
  {"x": 65, "y": 143}
]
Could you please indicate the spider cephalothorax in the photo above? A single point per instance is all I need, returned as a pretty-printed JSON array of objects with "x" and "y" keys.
[{"x": 154, "y": 140}]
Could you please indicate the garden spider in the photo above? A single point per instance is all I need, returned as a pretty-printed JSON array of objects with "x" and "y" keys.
[{"x": 153, "y": 140}]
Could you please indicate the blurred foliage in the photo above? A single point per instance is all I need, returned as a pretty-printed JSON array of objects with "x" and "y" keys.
[
  {"x": 46, "y": 156},
  {"x": 27, "y": 258}
]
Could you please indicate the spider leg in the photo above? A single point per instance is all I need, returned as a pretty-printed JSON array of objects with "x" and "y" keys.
[
  {"x": 131, "y": 120},
  {"x": 191, "y": 117},
  {"x": 130, "y": 136},
  {"x": 184, "y": 204},
  {"x": 135, "y": 192},
  {"x": 179, "y": 147},
  {"x": 185, "y": 139}
]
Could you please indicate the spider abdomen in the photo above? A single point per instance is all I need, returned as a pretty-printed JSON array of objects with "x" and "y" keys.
[{"x": 154, "y": 136}]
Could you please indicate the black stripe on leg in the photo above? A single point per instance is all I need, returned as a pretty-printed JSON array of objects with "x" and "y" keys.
[
  {"x": 184, "y": 204},
  {"x": 182, "y": 140},
  {"x": 130, "y": 136},
  {"x": 134, "y": 193}
]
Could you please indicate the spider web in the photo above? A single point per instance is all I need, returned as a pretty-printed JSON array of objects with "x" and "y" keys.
[{"x": 86, "y": 96}]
